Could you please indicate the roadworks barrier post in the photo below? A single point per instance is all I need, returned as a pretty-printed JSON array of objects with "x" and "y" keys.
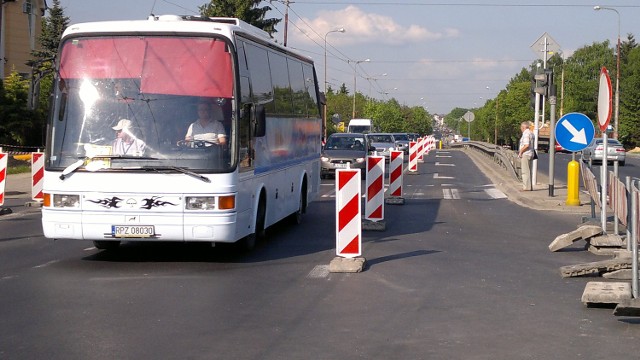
[
  {"x": 374, "y": 202},
  {"x": 413, "y": 158},
  {"x": 396, "y": 165},
  {"x": 573, "y": 183},
  {"x": 348, "y": 223}
]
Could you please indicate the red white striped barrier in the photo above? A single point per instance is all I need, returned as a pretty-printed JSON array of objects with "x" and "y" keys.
[
  {"x": 348, "y": 210},
  {"x": 420, "y": 150},
  {"x": 413, "y": 157},
  {"x": 3, "y": 176},
  {"x": 395, "y": 173},
  {"x": 374, "y": 206},
  {"x": 37, "y": 175}
]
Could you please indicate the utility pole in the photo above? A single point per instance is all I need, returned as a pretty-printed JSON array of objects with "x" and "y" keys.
[{"x": 286, "y": 20}]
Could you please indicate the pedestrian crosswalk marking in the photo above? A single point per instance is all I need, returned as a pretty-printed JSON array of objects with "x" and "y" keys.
[{"x": 451, "y": 194}]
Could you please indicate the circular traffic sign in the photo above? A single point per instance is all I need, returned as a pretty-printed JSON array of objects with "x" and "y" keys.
[
  {"x": 469, "y": 116},
  {"x": 574, "y": 131},
  {"x": 604, "y": 99}
]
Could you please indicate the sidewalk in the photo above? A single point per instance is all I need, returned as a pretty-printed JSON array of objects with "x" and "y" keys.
[
  {"x": 17, "y": 193},
  {"x": 538, "y": 199}
]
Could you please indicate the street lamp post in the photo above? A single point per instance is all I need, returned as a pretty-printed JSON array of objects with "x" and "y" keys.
[
  {"x": 355, "y": 73},
  {"x": 617, "y": 112},
  {"x": 324, "y": 118}
]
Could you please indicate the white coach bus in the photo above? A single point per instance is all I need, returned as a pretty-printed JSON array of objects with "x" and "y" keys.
[{"x": 178, "y": 128}]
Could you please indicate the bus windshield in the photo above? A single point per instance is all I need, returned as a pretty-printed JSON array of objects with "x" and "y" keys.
[{"x": 136, "y": 102}]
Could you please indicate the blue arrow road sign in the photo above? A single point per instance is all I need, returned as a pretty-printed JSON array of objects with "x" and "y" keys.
[{"x": 574, "y": 131}]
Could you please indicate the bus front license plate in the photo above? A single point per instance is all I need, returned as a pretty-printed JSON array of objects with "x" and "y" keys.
[{"x": 132, "y": 231}]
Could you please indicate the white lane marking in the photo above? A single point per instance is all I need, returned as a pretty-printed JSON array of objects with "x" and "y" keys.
[
  {"x": 8, "y": 277},
  {"x": 495, "y": 193},
  {"x": 319, "y": 272},
  {"x": 441, "y": 164},
  {"x": 437, "y": 176},
  {"x": 46, "y": 264},
  {"x": 90, "y": 248},
  {"x": 443, "y": 152},
  {"x": 445, "y": 185},
  {"x": 419, "y": 194},
  {"x": 443, "y": 156}
]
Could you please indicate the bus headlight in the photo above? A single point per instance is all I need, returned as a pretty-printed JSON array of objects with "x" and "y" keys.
[
  {"x": 61, "y": 201},
  {"x": 201, "y": 203}
]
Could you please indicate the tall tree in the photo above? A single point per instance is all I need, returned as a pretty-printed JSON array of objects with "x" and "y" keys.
[
  {"x": 42, "y": 62},
  {"x": 246, "y": 10}
]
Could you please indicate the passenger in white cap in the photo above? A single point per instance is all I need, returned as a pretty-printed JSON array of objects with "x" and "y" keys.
[{"x": 126, "y": 143}]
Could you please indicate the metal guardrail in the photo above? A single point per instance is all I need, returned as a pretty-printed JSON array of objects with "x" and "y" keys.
[{"x": 506, "y": 158}]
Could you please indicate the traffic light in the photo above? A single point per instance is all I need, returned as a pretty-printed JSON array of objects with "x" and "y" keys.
[{"x": 543, "y": 82}]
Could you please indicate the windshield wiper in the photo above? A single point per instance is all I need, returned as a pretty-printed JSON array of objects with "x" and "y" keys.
[
  {"x": 76, "y": 165},
  {"x": 178, "y": 169}
]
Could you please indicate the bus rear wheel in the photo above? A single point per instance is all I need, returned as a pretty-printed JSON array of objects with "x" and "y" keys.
[{"x": 106, "y": 244}]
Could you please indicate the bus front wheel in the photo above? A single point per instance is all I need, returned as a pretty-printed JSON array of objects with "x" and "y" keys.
[{"x": 249, "y": 242}]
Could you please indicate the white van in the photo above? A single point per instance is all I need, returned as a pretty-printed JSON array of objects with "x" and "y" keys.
[{"x": 361, "y": 126}]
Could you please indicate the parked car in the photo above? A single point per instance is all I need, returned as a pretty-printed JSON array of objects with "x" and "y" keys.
[
  {"x": 594, "y": 151},
  {"x": 343, "y": 150},
  {"x": 383, "y": 143},
  {"x": 402, "y": 142}
]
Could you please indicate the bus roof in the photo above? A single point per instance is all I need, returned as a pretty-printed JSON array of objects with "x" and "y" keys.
[{"x": 176, "y": 24}]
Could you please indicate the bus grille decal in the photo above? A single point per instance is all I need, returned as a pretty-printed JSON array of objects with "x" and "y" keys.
[
  {"x": 154, "y": 202},
  {"x": 114, "y": 202}
]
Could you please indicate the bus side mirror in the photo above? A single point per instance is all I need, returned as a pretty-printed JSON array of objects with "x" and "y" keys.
[{"x": 260, "y": 128}]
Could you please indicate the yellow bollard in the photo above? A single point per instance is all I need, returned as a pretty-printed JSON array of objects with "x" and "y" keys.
[
  {"x": 573, "y": 183},
  {"x": 440, "y": 145}
]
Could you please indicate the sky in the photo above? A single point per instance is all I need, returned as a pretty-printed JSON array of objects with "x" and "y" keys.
[{"x": 432, "y": 53}]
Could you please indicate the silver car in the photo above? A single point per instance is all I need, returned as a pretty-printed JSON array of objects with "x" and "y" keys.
[
  {"x": 615, "y": 151},
  {"x": 343, "y": 151},
  {"x": 383, "y": 143},
  {"x": 402, "y": 142}
]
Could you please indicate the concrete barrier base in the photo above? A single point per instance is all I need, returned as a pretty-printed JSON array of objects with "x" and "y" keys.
[
  {"x": 394, "y": 200},
  {"x": 33, "y": 204},
  {"x": 345, "y": 265},
  {"x": 368, "y": 225},
  {"x": 412, "y": 173},
  {"x": 598, "y": 292},
  {"x": 596, "y": 268}
]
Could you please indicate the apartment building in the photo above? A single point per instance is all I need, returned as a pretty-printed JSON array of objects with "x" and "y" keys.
[{"x": 20, "y": 26}]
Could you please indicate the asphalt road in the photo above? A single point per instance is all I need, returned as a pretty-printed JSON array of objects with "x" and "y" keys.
[{"x": 460, "y": 273}]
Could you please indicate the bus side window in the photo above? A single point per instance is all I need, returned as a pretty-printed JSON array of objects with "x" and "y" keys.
[{"x": 247, "y": 155}]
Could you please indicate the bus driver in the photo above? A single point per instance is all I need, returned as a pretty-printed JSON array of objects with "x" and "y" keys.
[{"x": 208, "y": 127}]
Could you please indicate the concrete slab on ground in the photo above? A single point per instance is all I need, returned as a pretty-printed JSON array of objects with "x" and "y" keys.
[
  {"x": 629, "y": 307},
  {"x": 599, "y": 292},
  {"x": 582, "y": 233},
  {"x": 596, "y": 267},
  {"x": 607, "y": 240}
]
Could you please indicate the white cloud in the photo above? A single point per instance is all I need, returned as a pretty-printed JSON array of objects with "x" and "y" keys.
[{"x": 362, "y": 27}]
